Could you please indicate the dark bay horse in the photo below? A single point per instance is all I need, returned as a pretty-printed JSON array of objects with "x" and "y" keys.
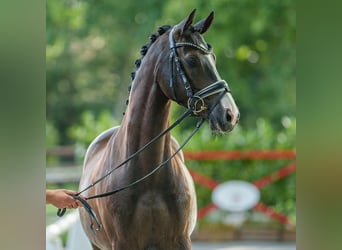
[{"x": 158, "y": 213}]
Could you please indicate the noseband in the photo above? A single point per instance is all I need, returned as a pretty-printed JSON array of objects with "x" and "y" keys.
[{"x": 197, "y": 98}]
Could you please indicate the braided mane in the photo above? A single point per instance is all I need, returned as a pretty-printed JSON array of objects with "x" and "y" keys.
[{"x": 161, "y": 30}]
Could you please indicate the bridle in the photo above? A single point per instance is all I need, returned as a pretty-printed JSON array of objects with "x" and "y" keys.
[
  {"x": 197, "y": 98},
  {"x": 194, "y": 99}
]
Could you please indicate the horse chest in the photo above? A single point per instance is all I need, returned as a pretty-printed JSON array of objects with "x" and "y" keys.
[
  {"x": 154, "y": 211},
  {"x": 157, "y": 203}
]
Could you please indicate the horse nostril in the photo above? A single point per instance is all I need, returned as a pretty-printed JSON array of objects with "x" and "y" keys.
[{"x": 228, "y": 116}]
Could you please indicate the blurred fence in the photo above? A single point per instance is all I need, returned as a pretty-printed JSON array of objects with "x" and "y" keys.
[
  {"x": 237, "y": 155},
  {"x": 247, "y": 232}
]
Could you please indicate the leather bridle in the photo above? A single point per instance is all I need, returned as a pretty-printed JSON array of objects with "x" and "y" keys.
[
  {"x": 219, "y": 87},
  {"x": 193, "y": 98}
]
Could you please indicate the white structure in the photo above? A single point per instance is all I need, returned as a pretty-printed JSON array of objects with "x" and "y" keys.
[
  {"x": 235, "y": 196},
  {"x": 76, "y": 237}
]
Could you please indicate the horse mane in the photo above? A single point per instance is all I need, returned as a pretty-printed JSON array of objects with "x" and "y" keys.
[{"x": 161, "y": 30}]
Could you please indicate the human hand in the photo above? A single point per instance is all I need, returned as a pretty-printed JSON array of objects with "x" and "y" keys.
[{"x": 61, "y": 198}]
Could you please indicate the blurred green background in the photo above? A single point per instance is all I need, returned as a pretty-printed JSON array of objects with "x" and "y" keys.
[{"x": 91, "y": 47}]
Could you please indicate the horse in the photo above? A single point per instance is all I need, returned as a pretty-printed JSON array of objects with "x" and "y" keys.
[{"x": 158, "y": 212}]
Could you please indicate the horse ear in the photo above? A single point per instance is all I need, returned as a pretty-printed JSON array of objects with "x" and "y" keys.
[
  {"x": 186, "y": 23},
  {"x": 203, "y": 25}
]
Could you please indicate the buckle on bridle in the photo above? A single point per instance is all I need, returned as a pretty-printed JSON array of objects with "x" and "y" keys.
[{"x": 193, "y": 103}]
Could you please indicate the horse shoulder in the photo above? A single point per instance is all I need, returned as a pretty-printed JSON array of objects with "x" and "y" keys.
[
  {"x": 100, "y": 142},
  {"x": 192, "y": 215},
  {"x": 175, "y": 146}
]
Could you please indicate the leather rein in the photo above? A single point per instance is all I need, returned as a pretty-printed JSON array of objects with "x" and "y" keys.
[{"x": 193, "y": 100}]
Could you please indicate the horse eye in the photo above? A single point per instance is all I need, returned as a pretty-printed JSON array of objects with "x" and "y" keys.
[{"x": 192, "y": 61}]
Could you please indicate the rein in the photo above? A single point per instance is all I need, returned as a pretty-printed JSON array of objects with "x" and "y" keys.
[
  {"x": 92, "y": 214},
  {"x": 194, "y": 99}
]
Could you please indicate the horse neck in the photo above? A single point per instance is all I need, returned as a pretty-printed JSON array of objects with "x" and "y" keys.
[{"x": 146, "y": 116}]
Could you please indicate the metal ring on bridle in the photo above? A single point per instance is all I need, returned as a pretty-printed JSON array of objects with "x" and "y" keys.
[{"x": 192, "y": 104}]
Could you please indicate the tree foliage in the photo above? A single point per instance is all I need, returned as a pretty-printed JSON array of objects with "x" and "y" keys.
[{"x": 91, "y": 47}]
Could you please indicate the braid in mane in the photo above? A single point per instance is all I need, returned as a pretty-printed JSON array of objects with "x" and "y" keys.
[{"x": 161, "y": 30}]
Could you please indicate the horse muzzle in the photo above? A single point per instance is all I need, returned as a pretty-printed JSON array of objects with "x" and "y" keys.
[{"x": 225, "y": 115}]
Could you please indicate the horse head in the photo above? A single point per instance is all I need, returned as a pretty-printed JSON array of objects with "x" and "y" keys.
[{"x": 192, "y": 79}]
